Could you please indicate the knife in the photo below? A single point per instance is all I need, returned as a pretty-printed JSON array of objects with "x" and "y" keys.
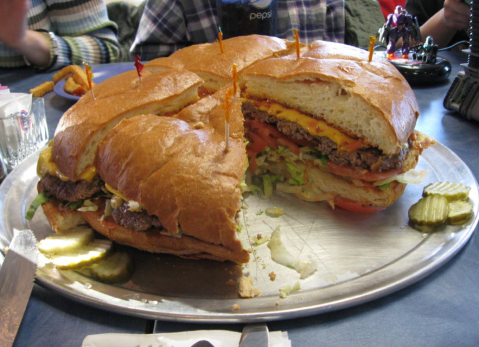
[
  {"x": 16, "y": 283},
  {"x": 255, "y": 335}
]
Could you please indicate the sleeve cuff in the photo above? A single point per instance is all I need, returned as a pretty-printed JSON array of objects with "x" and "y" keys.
[{"x": 53, "y": 43}]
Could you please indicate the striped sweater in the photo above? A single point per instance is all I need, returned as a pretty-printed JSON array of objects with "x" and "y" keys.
[{"x": 82, "y": 33}]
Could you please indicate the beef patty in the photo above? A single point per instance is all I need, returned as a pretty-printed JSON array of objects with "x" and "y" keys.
[
  {"x": 69, "y": 190},
  {"x": 135, "y": 220},
  {"x": 363, "y": 158}
]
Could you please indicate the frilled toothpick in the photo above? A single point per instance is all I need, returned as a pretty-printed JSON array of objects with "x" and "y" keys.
[
  {"x": 139, "y": 66},
  {"x": 220, "y": 40},
  {"x": 89, "y": 76},
  {"x": 235, "y": 79},
  {"x": 296, "y": 42},
  {"x": 227, "y": 108},
  {"x": 372, "y": 43}
]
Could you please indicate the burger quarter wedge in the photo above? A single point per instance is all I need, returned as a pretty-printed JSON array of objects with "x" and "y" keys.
[
  {"x": 332, "y": 125},
  {"x": 66, "y": 167},
  {"x": 173, "y": 187}
]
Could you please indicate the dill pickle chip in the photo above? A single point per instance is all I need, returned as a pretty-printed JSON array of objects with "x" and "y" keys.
[
  {"x": 67, "y": 241},
  {"x": 429, "y": 211},
  {"x": 451, "y": 191},
  {"x": 459, "y": 212},
  {"x": 423, "y": 228},
  {"x": 82, "y": 257},
  {"x": 116, "y": 268}
]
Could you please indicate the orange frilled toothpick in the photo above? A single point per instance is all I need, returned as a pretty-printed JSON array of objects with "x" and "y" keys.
[
  {"x": 235, "y": 79},
  {"x": 296, "y": 42},
  {"x": 220, "y": 40},
  {"x": 89, "y": 76},
  {"x": 227, "y": 108},
  {"x": 372, "y": 42}
]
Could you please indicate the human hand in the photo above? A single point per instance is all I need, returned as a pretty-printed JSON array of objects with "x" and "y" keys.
[
  {"x": 456, "y": 14},
  {"x": 13, "y": 16}
]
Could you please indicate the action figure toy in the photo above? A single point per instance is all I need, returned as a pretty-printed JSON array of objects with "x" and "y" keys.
[
  {"x": 426, "y": 52},
  {"x": 399, "y": 24}
]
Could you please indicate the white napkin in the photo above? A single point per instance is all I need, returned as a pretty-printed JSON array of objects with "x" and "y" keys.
[{"x": 219, "y": 338}]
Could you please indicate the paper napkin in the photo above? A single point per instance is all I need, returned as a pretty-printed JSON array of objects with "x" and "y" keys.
[{"x": 219, "y": 338}]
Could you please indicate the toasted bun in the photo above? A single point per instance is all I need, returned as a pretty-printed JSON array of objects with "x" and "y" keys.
[
  {"x": 151, "y": 241},
  {"x": 363, "y": 192},
  {"x": 215, "y": 67},
  {"x": 178, "y": 170},
  {"x": 335, "y": 82},
  {"x": 60, "y": 217},
  {"x": 84, "y": 125},
  {"x": 334, "y": 187}
]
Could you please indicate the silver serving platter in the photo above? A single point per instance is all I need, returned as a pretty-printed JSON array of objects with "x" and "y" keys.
[{"x": 359, "y": 257}]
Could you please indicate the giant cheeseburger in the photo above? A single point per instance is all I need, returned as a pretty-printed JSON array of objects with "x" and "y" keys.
[{"x": 145, "y": 163}]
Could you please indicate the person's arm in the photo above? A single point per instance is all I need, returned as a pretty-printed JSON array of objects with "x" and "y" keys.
[
  {"x": 34, "y": 46},
  {"x": 83, "y": 33},
  {"x": 446, "y": 22},
  {"x": 56, "y": 36}
]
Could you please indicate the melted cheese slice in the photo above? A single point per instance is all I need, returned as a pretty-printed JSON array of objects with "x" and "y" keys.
[
  {"x": 114, "y": 191},
  {"x": 313, "y": 126},
  {"x": 46, "y": 165}
]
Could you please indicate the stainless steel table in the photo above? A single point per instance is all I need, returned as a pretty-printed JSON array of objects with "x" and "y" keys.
[{"x": 440, "y": 310}]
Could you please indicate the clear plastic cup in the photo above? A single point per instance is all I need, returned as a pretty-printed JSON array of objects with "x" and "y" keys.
[{"x": 23, "y": 130}]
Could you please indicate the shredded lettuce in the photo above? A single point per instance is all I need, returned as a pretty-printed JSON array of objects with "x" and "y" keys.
[
  {"x": 267, "y": 187},
  {"x": 274, "y": 212},
  {"x": 88, "y": 206},
  {"x": 307, "y": 192},
  {"x": 108, "y": 210},
  {"x": 257, "y": 241},
  {"x": 40, "y": 199},
  {"x": 74, "y": 205},
  {"x": 297, "y": 174},
  {"x": 284, "y": 292},
  {"x": 384, "y": 186},
  {"x": 254, "y": 188}
]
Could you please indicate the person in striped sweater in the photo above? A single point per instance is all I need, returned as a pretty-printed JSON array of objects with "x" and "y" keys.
[{"x": 51, "y": 34}]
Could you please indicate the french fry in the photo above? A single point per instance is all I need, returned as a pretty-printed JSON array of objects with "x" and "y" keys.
[
  {"x": 73, "y": 88},
  {"x": 42, "y": 89},
  {"x": 78, "y": 73}
]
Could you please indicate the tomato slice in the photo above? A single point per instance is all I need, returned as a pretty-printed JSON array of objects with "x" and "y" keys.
[
  {"x": 357, "y": 207},
  {"x": 266, "y": 128},
  {"x": 285, "y": 142},
  {"x": 253, "y": 166},
  {"x": 364, "y": 175},
  {"x": 109, "y": 222},
  {"x": 256, "y": 143}
]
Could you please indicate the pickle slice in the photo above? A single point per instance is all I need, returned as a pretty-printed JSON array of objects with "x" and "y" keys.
[
  {"x": 429, "y": 211},
  {"x": 423, "y": 228},
  {"x": 82, "y": 257},
  {"x": 459, "y": 212},
  {"x": 451, "y": 191},
  {"x": 67, "y": 241},
  {"x": 116, "y": 268}
]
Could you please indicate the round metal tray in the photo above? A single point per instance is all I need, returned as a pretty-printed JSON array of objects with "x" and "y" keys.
[{"x": 359, "y": 257}]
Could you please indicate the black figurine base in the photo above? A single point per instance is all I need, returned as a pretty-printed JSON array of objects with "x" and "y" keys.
[{"x": 418, "y": 72}]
